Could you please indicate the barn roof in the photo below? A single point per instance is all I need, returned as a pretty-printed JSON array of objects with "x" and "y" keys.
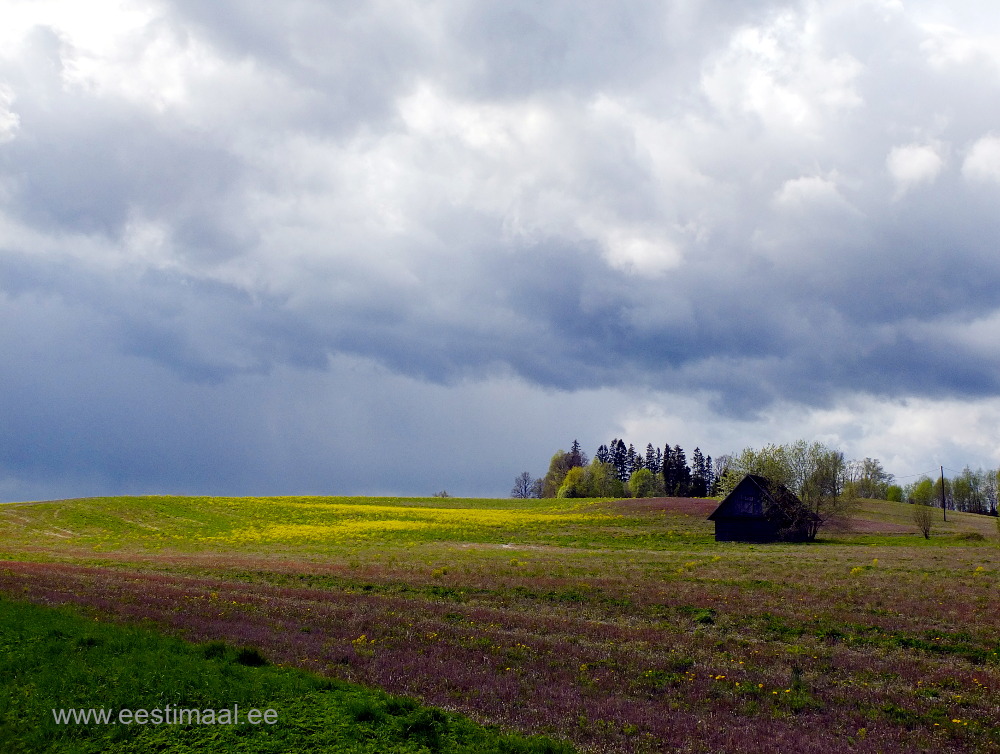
[{"x": 771, "y": 500}]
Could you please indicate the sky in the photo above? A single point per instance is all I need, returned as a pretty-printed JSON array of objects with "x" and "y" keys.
[{"x": 381, "y": 247}]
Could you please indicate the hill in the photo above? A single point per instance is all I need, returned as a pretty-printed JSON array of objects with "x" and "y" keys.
[{"x": 303, "y": 525}]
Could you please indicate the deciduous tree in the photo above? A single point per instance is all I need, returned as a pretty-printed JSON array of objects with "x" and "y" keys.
[
  {"x": 814, "y": 472},
  {"x": 867, "y": 478},
  {"x": 576, "y": 484},
  {"x": 524, "y": 486},
  {"x": 920, "y": 492},
  {"x": 604, "y": 480},
  {"x": 559, "y": 466},
  {"x": 643, "y": 484}
]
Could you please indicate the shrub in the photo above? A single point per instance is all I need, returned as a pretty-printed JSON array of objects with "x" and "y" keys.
[
  {"x": 971, "y": 536},
  {"x": 426, "y": 727},
  {"x": 214, "y": 650},
  {"x": 923, "y": 517},
  {"x": 250, "y": 657}
]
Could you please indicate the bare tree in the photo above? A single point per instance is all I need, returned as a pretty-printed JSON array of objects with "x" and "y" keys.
[
  {"x": 868, "y": 479},
  {"x": 524, "y": 486},
  {"x": 923, "y": 517}
]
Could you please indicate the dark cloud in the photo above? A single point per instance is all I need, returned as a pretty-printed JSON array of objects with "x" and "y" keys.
[{"x": 772, "y": 203}]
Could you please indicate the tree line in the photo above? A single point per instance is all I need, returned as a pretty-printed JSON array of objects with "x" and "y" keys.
[
  {"x": 971, "y": 491},
  {"x": 620, "y": 470},
  {"x": 826, "y": 484}
]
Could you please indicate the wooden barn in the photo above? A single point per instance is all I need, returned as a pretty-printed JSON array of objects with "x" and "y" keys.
[{"x": 759, "y": 510}]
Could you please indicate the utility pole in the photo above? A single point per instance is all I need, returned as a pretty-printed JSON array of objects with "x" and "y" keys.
[{"x": 944, "y": 511}]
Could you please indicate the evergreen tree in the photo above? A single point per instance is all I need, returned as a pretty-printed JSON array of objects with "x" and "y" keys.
[
  {"x": 603, "y": 454},
  {"x": 681, "y": 474},
  {"x": 667, "y": 470},
  {"x": 619, "y": 459},
  {"x": 576, "y": 456},
  {"x": 659, "y": 460},
  {"x": 651, "y": 463},
  {"x": 633, "y": 462},
  {"x": 709, "y": 476},
  {"x": 699, "y": 485}
]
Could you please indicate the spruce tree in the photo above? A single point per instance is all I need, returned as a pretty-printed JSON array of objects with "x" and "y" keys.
[
  {"x": 639, "y": 463},
  {"x": 681, "y": 472},
  {"x": 603, "y": 454},
  {"x": 699, "y": 487},
  {"x": 619, "y": 459},
  {"x": 651, "y": 463},
  {"x": 667, "y": 469}
]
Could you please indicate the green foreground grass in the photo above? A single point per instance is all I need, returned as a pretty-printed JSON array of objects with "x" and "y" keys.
[{"x": 51, "y": 659}]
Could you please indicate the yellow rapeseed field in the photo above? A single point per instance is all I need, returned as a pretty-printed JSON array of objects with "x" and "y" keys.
[{"x": 296, "y": 520}]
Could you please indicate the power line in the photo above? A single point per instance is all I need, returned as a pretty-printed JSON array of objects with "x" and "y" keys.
[
  {"x": 922, "y": 473},
  {"x": 933, "y": 473}
]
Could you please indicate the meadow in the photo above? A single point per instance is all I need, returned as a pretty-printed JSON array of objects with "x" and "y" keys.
[{"x": 611, "y": 625}]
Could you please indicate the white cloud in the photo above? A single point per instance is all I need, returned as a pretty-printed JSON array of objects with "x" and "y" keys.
[
  {"x": 914, "y": 435},
  {"x": 780, "y": 73},
  {"x": 640, "y": 255},
  {"x": 913, "y": 165},
  {"x": 10, "y": 121},
  {"x": 982, "y": 163},
  {"x": 947, "y": 46},
  {"x": 910, "y": 436},
  {"x": 96, "y": 25},
  {"x": 809, "y": 193}
]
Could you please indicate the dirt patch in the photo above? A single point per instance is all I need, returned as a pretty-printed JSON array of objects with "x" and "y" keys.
[
  {"x": 863, "y": 526},
  {"x": 685, "y": 506}
]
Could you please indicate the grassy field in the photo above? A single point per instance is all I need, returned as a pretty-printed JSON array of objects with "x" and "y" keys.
[
  {"x": 617, "y": 626},
  {"x": 57, "y": 663}
]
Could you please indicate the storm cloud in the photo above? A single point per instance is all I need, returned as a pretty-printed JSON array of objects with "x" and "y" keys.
[{"x": 386, "y": 247}]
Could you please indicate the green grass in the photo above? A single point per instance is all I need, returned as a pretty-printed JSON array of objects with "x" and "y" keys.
[
  {"x": 52, "y": 659},
  {"x": 304, "y": 526},
  {"x": 901, "y": 515},
  {"x": 298, "y": 524}
]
